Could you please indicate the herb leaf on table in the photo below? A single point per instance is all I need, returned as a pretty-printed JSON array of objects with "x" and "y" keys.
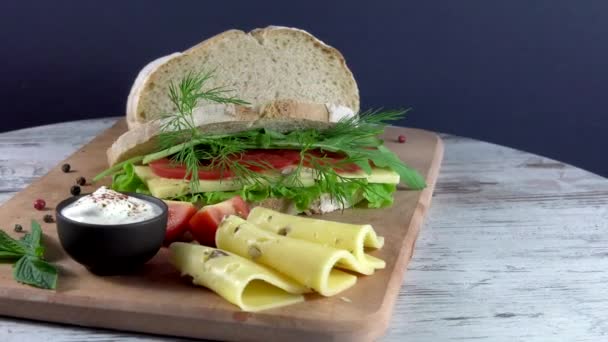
[
  {"x": 32, "y": 241},
  {"x": 30, "y": 268},
  {"x": 36, "y": 272}
]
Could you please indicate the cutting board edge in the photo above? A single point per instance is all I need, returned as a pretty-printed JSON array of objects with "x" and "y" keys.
[{"x": 385, "y": 311}]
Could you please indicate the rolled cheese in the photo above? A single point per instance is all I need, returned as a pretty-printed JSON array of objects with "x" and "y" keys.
[
  {"x": 351, "y": 237},
  {"x": 311, "y": 264},
  {"x": 240, "y": 281}
]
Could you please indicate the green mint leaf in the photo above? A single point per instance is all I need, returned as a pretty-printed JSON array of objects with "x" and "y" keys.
[
  {"x": 9, "y": 256},
  {"x": 10, "y": 245},
  {"x": 32, "y": 240},
  {"x": 33, "y": 271}
]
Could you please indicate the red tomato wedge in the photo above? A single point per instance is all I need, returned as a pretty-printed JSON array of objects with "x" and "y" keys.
[
  {"x": 204, "y": 223},
  {"x": 178, "y": 217}
]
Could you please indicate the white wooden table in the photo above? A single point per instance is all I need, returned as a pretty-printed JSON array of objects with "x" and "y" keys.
[{"x": 515, "y": 246}]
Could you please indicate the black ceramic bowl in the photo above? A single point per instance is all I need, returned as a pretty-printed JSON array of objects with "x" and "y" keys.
[{"x": 112, "y": 249}]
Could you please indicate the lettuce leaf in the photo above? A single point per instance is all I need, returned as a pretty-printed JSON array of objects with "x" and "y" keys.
[
  {"x": 128, "y": 181},
  {"x": 379, "y": 195}
]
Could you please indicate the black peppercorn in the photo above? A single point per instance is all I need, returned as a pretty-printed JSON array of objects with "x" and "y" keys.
[
  {"x": 48, "y": 218},
  {"x": 81, "y": 181},
  {"x": 75, "y": 190},
  {"x": 18, "y": 228},
  {"x": 65, "y": 168}
]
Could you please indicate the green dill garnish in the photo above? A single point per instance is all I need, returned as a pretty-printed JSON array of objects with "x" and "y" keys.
[{"x": 180, "y": 126}]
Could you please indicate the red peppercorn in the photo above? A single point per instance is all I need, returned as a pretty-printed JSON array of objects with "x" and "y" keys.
[
  {"x": 39, "y": 204},
  {"x": 401, "y": 139}
]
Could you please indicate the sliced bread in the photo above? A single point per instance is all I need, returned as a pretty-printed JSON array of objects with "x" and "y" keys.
[{"x": 262, "y": 66}]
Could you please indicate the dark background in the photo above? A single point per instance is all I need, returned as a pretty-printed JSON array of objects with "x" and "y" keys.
[{"x": 527, "y": 74}]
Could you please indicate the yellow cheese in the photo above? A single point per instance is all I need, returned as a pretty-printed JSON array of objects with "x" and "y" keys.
[
  {"x": 351, "y": 237},
  {"x": 309, "y": 263},
  {"x": 244, "y": 283},
  {"x": 377, "y": 176},
  {"x": 169, "y": 187}
]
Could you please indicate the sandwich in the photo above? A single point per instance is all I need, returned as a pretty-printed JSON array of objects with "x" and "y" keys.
[{"x": 271, "y": 116}]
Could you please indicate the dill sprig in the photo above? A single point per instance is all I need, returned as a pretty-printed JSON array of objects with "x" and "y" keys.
[{"x": 180, "y": 126}]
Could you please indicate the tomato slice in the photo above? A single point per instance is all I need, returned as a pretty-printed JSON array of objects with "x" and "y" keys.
[
  {"x": 179, "y": 215},
  {"x": 168, "y": 169},
  {"x": 293, "y": 155},
  {"x": 256, "y": 160},
  {"x": 204, "y": 223},
  {"x": 327, "y": 158}
]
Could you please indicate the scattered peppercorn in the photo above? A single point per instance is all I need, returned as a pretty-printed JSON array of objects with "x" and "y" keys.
[
  {"x": 18, "y": 228},
  {"x": 39, "y": 204},
  {"x": 81, "y": 181},
  {"x": 48, "y": 218},
  {"x": 75, "y": 190},
  {"x": 401, "y": 139},
  {"x": 65, "y": 168}
]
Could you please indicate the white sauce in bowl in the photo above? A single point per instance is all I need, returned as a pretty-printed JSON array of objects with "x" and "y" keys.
[{"x": 106, "y": 206}]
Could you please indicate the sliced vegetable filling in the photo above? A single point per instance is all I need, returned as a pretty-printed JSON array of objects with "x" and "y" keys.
[{"x": 256, "y": 160}]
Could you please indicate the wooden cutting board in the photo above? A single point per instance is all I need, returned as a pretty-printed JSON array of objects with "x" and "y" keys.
[{"x": 157, "y": 300}]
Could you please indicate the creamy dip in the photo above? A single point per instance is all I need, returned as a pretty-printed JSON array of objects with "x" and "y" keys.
[{"x": 106, "y": 206}]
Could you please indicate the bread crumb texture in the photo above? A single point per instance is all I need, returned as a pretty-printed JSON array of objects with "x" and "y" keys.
[{"x": 261, "y": 66}]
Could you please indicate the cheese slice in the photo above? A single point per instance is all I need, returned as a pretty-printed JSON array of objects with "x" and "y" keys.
[
  {"x": 311, "y": 264},
  {"x": 170, "y": 187},
  {"x": 377, "y": 176},
  {"x": 351, "y": 237},
  {"x": 240, "y": 281}
]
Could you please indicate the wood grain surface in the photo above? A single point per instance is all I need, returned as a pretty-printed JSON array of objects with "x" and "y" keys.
[
  {"x": 158, "y": 301},
  {"x": 514, "y": 247}
]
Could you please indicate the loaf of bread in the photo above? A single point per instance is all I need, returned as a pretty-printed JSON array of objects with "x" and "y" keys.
[{"x": 261, "y": 67}]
